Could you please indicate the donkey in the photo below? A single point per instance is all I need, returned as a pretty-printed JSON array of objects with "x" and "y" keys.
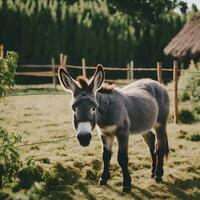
[{"x": 134, "y": 109}]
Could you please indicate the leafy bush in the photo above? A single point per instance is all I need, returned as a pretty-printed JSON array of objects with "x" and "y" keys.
[
  {"x": 29, "y": 174},
  {"x": 195, "y": 138},
  {"x": 186, "y": 117},
  {"x": 193, "y": 89},
  {"x": 185, "y": 96},
  {"x": 7, "y": 71},
  {"x": 9, "y": 157}
]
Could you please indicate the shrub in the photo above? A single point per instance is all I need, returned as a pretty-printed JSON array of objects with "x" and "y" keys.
[
  {"x": 186, "y": 117},
  {"x": 9, "y": 156},
  {"x": 7, "y": 71},
  {"x": 195, "y": 138},
  {"x": 185, "y": 96},
  {"x": 29, "y": 174},
  {"x": 193, "y": 88}
]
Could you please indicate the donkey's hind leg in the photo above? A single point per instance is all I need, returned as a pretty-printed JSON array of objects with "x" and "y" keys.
[
  {"x": 162, "y": 150},
  {"x": 149, "y": 138}
]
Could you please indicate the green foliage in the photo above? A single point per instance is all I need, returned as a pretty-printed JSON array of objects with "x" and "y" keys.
[
  {"x": 7, "y": 71},
  {"x": 9, "y": 157},
  {"x": 145, "y": 11},
  {"x": 195, "y": 137},
  {"x": 194, "y": 88},
  {"x": 30, "y": 174},
  {"x": 185, "y": 96},
  {"x": 186, "y": 117}
]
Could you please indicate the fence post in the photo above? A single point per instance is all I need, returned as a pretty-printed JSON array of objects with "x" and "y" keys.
[
  {"x": 175, "y": 79},
  {"x": 131, "y": 70},
  {"x": 54, "y": 73},
  {"x": 65, "y": 61},
  {"x": 1, "y": 51},
  {"x": 159, "y": 72},
  {"x": 128, "y": 71},
  {"x": 83, "y": 67},
  {"x": 61, "y": 58}
]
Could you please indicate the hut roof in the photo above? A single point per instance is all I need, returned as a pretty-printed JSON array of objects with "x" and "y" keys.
[{"x": 186, "y": 44}]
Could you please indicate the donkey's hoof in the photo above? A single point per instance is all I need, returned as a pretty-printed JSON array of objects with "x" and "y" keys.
[
  {"x": 126, "y": 189},
  {"x": 102, "y": 182},
  {"x": 158, "y": 179}
]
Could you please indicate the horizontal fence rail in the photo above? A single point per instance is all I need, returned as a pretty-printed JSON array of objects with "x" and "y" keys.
[{"x": 51, "y": 71}]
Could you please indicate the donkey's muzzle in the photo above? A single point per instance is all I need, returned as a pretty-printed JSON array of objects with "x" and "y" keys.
[{"x": 84, "y": 138}]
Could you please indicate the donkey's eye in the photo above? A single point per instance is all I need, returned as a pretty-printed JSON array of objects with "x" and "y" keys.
[{"x": 93, "y": 109}]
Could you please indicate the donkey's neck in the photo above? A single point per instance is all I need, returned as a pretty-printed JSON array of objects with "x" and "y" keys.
[{"x": 103, "y": 112}]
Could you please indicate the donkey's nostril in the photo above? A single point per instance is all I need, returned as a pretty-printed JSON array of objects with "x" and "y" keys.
[{"x": 84, "y": 138}]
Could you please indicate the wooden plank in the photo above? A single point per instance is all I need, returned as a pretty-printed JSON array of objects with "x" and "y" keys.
[
  {"x": 128, "y": 71},
  {"x": 48, "y": 74},
  {"x": 34, "y": 66},
  {"x": 83, "y": 67},
  {"x": 131, "y": 70},
  {"x": 92, "y": 67},
  {"x": 175, "y": 79},
  {"x": 159, "y": 72},
  {"x": 54, "y": 73}
]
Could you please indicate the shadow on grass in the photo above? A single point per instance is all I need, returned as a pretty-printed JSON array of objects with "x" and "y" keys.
[
  {"x": 136, "y": 192},
  {"x": 66, "y": 184},
  {"x": 178, "y": 187}
]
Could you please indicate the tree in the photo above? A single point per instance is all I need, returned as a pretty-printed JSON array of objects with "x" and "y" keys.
[{"x": 146, "y": 11}]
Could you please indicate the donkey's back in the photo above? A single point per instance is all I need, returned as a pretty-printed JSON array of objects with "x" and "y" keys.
[{"x": 148, "y": 104}]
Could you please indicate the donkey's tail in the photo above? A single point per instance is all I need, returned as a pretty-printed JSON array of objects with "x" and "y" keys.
[
  {"x": 165, "y": 146},
  {"x": 162, "y": 143}
]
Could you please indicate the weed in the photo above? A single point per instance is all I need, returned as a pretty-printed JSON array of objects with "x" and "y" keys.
[
  {"x": 182, "y": 134},
  {"x": 186, "y": 117},
  {"x": 9, "y": 156},
  {"x": 96, "y": 165},
  {"x": 185, "y": 96},
  {"x": 91, "y": 175},
  {"x": 195, "y": 138},
  {"x": 29, "y": 174}
]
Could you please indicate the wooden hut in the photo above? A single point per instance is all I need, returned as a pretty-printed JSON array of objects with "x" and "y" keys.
[{"x": 186, "y": 44}]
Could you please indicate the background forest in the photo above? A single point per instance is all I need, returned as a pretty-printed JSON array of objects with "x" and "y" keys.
[{"x": 95, "y": 30}]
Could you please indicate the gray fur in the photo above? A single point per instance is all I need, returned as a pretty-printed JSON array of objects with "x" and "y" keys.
[
  {"x": 140, "y": 105},
  {"x": 134, "y": 109}
]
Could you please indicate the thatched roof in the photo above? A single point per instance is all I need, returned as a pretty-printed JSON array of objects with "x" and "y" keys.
[{"x": 186, "y": 44}]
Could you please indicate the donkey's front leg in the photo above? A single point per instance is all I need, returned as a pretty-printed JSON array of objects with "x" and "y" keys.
[
  {"x": 122, "y": 158},
  {"x": 107, "y": 141}
]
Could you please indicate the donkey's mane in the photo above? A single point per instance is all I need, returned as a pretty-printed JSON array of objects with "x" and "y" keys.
[{"x": 106, "y": 87}]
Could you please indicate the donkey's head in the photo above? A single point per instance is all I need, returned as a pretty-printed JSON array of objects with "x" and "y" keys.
[{"x": 84, "y": 102}]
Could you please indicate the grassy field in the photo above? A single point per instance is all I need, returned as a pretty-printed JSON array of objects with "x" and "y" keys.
[{"x": 46, "y": 117}]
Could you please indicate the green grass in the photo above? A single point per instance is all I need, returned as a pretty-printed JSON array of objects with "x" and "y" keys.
[{"x": 66, "y": 170}]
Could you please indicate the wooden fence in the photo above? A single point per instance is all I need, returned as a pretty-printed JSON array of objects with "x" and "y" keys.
[{"x": 129, "y": 69}]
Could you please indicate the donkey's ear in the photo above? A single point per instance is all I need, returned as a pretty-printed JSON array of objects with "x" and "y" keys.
[
  {"x": 67, "y": 81},
  {"x": 98, "y": 78}
]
